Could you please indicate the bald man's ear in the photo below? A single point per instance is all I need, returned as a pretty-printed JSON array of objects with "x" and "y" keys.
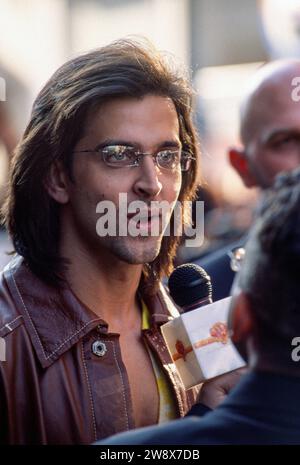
[
  {"x": 56, "y": 183},
  {"x": 240, "y": 163}
]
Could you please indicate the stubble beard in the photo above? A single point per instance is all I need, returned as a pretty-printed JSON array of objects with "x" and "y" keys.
[{"x": 135, "y": 251}]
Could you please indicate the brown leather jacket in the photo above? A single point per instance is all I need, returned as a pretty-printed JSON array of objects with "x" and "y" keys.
[{"x": 58, "y": 385}]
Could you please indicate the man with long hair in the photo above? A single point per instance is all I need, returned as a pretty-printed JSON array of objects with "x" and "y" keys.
[{"x": 80, "y": 311}]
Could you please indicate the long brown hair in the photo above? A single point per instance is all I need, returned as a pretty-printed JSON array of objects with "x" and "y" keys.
[{"x": 126, "y": 67}]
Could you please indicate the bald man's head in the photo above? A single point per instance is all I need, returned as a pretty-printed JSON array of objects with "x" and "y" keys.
[
  {"x": 270, "y": 125},
  {"x": 269, "y": 90}
]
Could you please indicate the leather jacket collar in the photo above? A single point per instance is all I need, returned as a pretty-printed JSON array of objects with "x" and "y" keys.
[{"x": 55, "y": 319}]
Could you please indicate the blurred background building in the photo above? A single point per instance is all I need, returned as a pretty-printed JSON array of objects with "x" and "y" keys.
[{"x": 221, "y": 42}]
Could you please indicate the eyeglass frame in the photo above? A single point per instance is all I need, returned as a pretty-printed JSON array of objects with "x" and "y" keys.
[
  {"x": 139, "y": 155},
  {"x": 237, "y": 257}
]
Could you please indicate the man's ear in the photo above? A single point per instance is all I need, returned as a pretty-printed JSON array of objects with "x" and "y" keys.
[
  {"x": 240, "y": 163},
  {"x": 57, "y": 183},
  {"x": 241, "y": 319}
]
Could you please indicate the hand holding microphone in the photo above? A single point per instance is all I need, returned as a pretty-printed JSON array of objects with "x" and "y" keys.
[{"x": 198, "y": 340}]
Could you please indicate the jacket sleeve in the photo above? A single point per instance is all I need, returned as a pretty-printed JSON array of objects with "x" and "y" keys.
[{"x": 3, "y": 411}]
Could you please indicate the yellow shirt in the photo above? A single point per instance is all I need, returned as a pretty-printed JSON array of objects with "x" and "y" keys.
[{"x": 167, "y": 409}]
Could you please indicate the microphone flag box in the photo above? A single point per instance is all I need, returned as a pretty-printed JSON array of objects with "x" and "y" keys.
[{"x": 199, "y": 343}]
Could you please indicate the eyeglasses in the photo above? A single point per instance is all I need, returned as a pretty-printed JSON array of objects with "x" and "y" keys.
[
  {"x": 123, "y": 156},
  {"x": 236, "y": 256}
]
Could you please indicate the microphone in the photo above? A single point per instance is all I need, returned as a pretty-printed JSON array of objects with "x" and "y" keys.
[
  {"x": 190, "y": 287},
  {"x": 198, "y": 340}
]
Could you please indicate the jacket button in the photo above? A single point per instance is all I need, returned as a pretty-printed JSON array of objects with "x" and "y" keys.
[{"x": 99, "y": 348}]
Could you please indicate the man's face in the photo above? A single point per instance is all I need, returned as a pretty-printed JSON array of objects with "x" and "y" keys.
[
  {"x": 275, "y": 142},
  {"x": 149, "y": 124}
]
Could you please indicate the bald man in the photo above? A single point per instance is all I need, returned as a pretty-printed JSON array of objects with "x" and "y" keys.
[
  {"x": 270, "y": 137},
  {"x": 270, "y": 125}
]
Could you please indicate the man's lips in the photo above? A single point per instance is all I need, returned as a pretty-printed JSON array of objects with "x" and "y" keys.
[
  {"x": 149, "y": 222},
  {"x": 141, "y": 216}
]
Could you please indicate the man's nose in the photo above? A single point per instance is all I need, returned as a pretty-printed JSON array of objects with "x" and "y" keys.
[{"x": 148, "y": 183}]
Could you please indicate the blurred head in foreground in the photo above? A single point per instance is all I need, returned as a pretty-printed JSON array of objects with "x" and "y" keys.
[{"x": 265, "y": 315}]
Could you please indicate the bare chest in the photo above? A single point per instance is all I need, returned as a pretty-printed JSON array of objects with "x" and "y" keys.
[{"x": 143, "y": 386}]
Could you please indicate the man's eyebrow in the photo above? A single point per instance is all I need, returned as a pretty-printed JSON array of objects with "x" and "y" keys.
[
  {"x": 130, "y": 143},
  {"x": 267, "y": 138},
  {"x": 170, "y": 143},
  {"x": 115, "y": 142}
]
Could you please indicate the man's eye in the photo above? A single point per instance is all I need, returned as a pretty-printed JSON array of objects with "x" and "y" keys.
[
  {"x": 284, "y": 141},
  {"x": 118, "y": 154},
  {"x": 167, "y": 157}
]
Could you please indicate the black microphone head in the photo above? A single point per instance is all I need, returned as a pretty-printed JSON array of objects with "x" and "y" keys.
[{"x": 188, "y": 284}]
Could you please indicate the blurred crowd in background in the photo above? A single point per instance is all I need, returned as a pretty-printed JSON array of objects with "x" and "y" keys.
[{"x": 221, "y": 43}]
